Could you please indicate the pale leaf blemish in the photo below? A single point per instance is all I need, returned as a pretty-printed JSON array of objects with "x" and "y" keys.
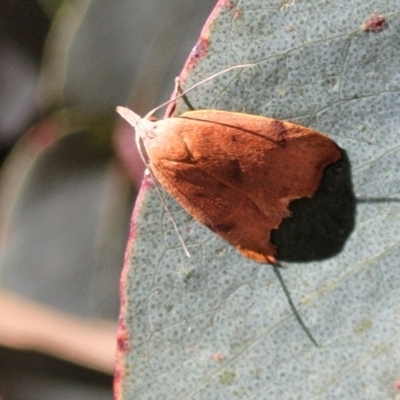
[{"x": 227, "y": 378}]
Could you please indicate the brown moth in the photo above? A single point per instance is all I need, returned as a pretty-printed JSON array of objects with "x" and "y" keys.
[{"x": 235, "y": 173}]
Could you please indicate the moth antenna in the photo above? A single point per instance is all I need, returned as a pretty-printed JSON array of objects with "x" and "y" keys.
[
  {"x": 196, "y": 85},
  {"x": 167, "y": 210},
  {"x": 276, "y": 268}
]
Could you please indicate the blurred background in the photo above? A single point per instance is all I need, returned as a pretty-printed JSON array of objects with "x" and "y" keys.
[{"x": 69, "y": 175}]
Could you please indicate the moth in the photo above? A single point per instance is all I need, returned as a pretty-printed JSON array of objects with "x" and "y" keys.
[{"x": 235, "y": 173}]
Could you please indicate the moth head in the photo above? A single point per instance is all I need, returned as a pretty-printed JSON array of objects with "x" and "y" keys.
[{"x": 143, "y": 126}]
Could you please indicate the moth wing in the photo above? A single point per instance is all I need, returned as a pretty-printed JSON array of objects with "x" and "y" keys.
[
  {"x": 236, "y": 173},
  {"x": 271, "y": 161},
  {"x": 229, "y": 213}
]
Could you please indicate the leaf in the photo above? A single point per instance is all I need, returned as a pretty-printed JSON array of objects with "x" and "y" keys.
[
  {"x": 217, "y": 326},
  {"x": 100, "y": 52},
  {"x": 64, "y": 204}
]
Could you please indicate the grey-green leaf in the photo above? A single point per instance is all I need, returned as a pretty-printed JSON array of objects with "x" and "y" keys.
[{"x": 218, "y": 326}]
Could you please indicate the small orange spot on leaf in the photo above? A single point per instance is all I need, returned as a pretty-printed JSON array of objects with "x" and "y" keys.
[
  {"x": 237, "y": 14},
  {"x": 228, "y": 4},
  {"x": 375, "y": 23},
  {"x": 199, "y": 51},
  {"x": 218, "y": 357}
]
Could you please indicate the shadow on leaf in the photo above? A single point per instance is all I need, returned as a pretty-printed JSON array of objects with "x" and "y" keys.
[{"x": 319, "y": 226}]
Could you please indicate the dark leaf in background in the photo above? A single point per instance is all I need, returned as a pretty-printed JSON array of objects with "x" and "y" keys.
[{"x": 66, "y": 201}]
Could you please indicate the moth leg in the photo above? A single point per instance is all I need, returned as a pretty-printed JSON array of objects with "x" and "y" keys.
[{"x": 179, "y": 91}]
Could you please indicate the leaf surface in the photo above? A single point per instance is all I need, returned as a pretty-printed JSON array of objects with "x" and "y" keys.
[{"x": 217, "y": 326}]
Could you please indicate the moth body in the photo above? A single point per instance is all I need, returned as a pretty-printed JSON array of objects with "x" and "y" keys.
[{"x": 235, "y": 173}]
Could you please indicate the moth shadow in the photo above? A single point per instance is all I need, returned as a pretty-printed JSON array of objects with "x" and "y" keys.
[{"x": 319, "y": 226}]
